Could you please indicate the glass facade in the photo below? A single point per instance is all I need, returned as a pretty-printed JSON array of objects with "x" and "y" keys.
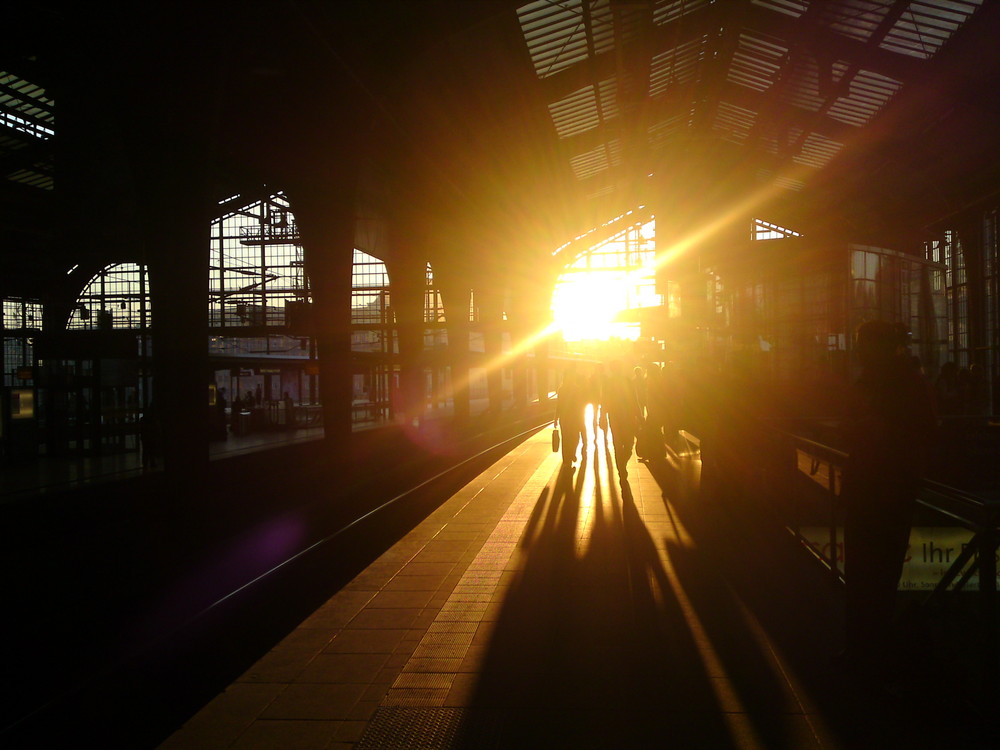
[
  {"x": 949, "y": 250},
  {"x": 372, "y": 316},
  {"x": 969, "y": 250},
  {"x": 117, "y": 297},
  {"x": 21, "y": 320},
  {"x": 259, "y": 308},
  {"x": 256, "y": 271},
  {"x": 374, "y": 339},
  {"x": 793, "y": 310}
]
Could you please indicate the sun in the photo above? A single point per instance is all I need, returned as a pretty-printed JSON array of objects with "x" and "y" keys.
[
  {"x": 614, "y": 275},
  {"x": 584, "y": 306}
]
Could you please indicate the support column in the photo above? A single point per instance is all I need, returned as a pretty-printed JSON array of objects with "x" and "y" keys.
[
  {"x": 326, "y": 217},
  {"x": 169, "y": 154},
  {"x": 174, "y": 209},
  {"x": 542, "y": 371},
  {"x": 519, "y": 364},
  {"x": 528, "y": 319}
]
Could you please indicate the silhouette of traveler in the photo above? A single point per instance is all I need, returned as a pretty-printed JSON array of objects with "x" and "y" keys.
[
  {"x": 624, "y": 414},
  {"x": 947, "y": 387},
  {"x": 979, "y": 391},
  {"x": 571, "y": 407},
  {"x": 593, "y": 384},
  {"x": 654, "y": 432},
  {"x": 889, "y": 423}
]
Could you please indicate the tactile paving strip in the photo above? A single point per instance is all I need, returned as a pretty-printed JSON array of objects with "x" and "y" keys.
[
  {"x": 423, "y": 684},
  {"x": 395, "y": 728},
  {"x": 411, "y": 715}
]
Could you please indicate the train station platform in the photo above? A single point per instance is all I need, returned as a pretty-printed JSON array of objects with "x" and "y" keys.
[{"x": 541, "y": 607}]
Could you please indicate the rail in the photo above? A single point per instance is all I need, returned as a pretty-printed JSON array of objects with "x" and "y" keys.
[
  {"x": 461, "y": 465},
  {"x": 127, "y": 662}
]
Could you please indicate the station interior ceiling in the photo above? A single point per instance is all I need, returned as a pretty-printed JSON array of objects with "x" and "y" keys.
[{"x": 486, "y": 133}]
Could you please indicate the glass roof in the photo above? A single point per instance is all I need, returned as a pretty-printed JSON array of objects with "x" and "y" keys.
[
  {"x": 790, "y": 80},
  {"x": 27, "y": 121}
]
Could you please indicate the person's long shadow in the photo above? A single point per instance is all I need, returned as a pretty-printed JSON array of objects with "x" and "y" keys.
[
  {"x": 591, "y": 648},
  {"x": 772, "y": 582},
  {"x": 743, "y": 661},
  {"x": 741, "y": 592}
]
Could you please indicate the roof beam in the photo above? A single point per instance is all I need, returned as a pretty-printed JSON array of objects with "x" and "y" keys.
[
  {"x": 842, "y": 87},
  {"x": 816, "y": 38},
  {"x": 662, "y": 108}
]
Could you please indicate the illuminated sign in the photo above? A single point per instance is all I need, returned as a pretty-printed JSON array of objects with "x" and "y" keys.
[{"x": 22, "y": 403}]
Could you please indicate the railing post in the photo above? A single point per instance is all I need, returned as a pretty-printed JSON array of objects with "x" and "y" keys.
[{"x": 831, "y": 486}]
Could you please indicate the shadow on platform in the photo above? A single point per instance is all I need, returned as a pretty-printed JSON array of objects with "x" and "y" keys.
[{"x": 705, "y": 629}]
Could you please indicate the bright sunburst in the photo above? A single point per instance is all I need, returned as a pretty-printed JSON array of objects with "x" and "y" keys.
[
  {"x": 611, "y": 277},
  {"x": 584, "y": 307}
]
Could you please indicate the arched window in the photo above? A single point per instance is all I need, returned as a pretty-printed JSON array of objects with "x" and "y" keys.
[{"x": 116, "y": 297}]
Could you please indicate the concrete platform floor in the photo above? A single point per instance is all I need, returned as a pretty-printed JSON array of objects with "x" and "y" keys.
[{"x": 546, "y": 608}]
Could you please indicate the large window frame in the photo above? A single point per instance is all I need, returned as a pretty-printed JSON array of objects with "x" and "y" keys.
[{"x": 626, "y": 263}]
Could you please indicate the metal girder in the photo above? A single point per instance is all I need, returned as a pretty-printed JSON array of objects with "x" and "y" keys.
[
  {"x": 30, "y": 156},
  {"x": 835, "y": 91},
  {"x": 779, "y": 129},
  {"x": 805, "y": 32}
]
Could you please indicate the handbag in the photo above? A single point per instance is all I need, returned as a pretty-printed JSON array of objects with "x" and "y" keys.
[{"x": 555, "y": 439}]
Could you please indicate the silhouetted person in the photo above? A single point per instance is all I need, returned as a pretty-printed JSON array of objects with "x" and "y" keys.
[
  {"x": 889, "y": 423},
  {"x": 594, "y": 382},
  {"x": 652, "y": 432},
  {"x": 601, "y": 376},
  {"x": 571, "y": 407},
  {"x": 947, "y": 388},
  {"x": 624, "y": 415},
  {"x": 234, "y": 412},
  {"x": 670, "y": 396},
  {"x": 639, "y": 388},
  {"x": 979, "y": 392},
  {"x": 219, "y": 415}
]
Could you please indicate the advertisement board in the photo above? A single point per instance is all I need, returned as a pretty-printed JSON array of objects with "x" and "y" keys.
[{"x": 932, "y": 551}]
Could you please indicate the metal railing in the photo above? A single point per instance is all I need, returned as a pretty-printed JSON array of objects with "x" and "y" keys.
[
  {"x": 270, "y": 234},
  {"x": 814, "y": 500}
]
